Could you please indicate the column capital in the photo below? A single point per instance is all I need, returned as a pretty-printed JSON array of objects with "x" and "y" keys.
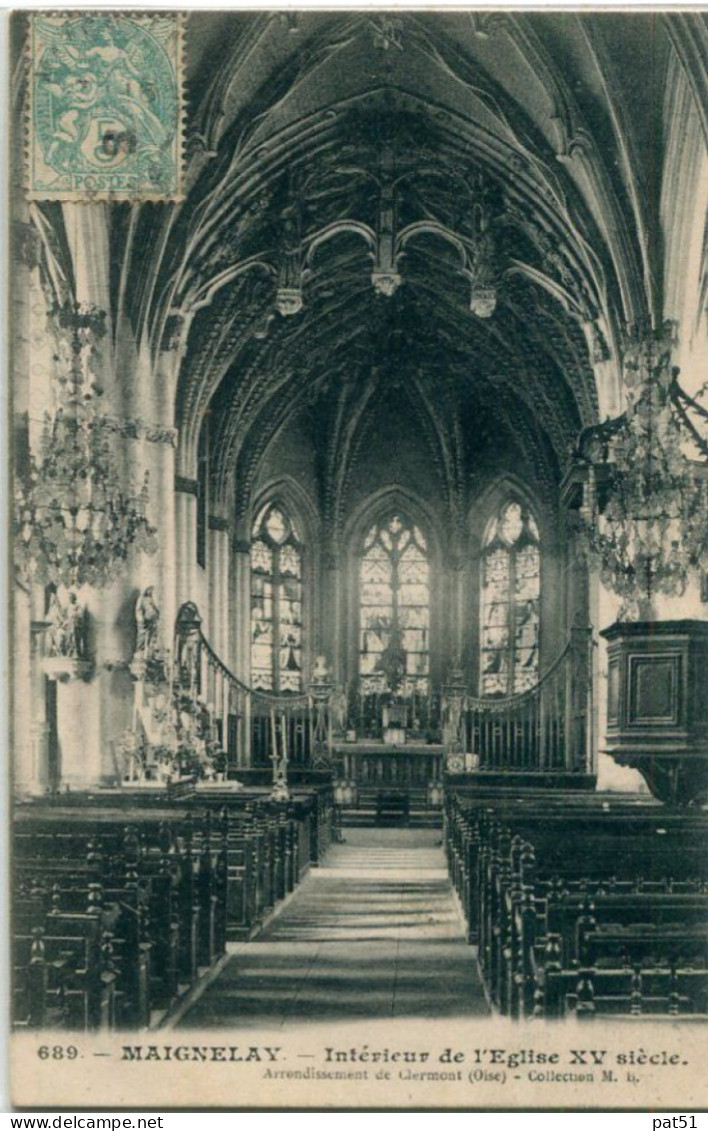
[
  {"x": 137, "y": 429},
  {"x": 186, "y": 486}
]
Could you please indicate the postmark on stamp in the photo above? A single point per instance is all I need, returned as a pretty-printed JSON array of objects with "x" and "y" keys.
[{"x": 105, "y": 118}]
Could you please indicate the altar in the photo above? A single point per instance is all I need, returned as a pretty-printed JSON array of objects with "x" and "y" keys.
[{"x": 365, "y": 769}]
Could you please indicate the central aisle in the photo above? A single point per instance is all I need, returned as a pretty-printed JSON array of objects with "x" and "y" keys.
[{"x": 374, "y": 933}]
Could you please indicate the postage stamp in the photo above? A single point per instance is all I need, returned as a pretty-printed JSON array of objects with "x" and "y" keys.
[{"x": 105, "y": 120}]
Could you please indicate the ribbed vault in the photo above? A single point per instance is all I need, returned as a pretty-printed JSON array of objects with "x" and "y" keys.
[{"x": 464, "y": 207}]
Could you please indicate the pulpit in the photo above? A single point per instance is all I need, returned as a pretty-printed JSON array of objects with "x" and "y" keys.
[{"x": 657, "y": 705}]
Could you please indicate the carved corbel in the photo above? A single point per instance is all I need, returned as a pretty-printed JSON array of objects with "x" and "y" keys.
[
  {"x": 173, "y": 332},
  {"x": 387, "y": 32},
  {"x": 385, "y": 277},
  {"x": 578, "y": 145},
  {"x": 644, "y": 352}
]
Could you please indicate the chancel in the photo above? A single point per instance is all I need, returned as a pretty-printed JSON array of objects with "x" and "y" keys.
[{"x": 361, "y": 531}]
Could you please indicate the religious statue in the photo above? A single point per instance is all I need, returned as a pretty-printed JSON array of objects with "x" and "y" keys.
[
  {"x": 66, "y": 634},
  {"x": 339, "y": 709},
  {"x": 320, "y": 671},
  {"x": 393, "y": 661},
  {"x": 147, "y": 619},
  {"x": 188, "y": 630},
  {"x": 74, "y": 624}
]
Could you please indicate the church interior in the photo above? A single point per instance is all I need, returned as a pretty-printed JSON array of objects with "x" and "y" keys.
[{"x": 360, "y": 605}]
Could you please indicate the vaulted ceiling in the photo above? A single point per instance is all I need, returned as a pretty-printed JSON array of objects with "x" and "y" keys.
[{"x": 464, "y": 207}]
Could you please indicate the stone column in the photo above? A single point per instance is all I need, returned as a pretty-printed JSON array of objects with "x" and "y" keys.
[
  {"x": 330, "y": 612},
  {"x": 185, "y": 494},
  {"x": 42, "y": 776},
  {"x": 240, "y": 632},
  {"x": 240, "y": 604},
  {"x": 30, "y": 381},
  {"x": 93, "y": 713},
  {"x": 23, "y": 689},
  {"x": 218, "y": 564},
  {"x": 30, "y": 374},
  {"x": 572, "y": 607},
  {"x": 575, "y": 590},
  {"x": 456, "y": 646},
  {"x": 151, "y": 441}
]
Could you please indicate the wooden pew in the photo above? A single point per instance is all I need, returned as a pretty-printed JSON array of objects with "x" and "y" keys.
[
  {"x": 535, "y": 879},
  {"x": 183, "y": 877}
]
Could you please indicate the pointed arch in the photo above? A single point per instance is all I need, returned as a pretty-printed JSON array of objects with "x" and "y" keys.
[
  {"x": 389, "y": 499},
  {"x": 489, "y": 500},
  {"x": 294, "y": 498},
  {"x": 276, "y": 600},
  {"x": 510, "y": 599},
  {"x": 393, "y": 551},
  {"x": 283, "y": 578},
  {"x": 394, "y": 608},
  {"x": 541, "y": 625}
]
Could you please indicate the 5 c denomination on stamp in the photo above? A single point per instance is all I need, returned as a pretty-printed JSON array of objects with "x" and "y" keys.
[{"x": 105, "y": 118}]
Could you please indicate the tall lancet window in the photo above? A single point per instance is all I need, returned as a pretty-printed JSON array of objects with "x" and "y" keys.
[
  {"x": 276, "y": 602},
  {"x": 394, "y": 609},
  {"x": 511, "y": 589}
]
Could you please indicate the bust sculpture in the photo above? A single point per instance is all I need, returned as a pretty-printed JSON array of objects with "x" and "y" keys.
[{"x": 320, "y": 671}]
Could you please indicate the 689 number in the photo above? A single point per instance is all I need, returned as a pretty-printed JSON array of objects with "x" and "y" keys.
[{"x": 57, "y": 1052}]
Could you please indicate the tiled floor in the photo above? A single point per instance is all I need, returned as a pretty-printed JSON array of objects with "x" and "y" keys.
[{"x": 372, "y": 934}]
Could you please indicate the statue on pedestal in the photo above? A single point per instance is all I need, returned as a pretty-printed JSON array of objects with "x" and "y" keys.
[
  {"x": 147, "y": 617},
  {"x": 147, "y": 622},
  {"x": 188, "y": 644},
  {"x": 66, "y": 655},
  {"x": 66, "y": 636}
]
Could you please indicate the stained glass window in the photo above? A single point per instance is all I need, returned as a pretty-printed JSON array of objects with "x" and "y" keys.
[
  {"x": 276, "y": 602},
  {"x": 511, "y": 589},
  {"x": 394, "y": 609}
]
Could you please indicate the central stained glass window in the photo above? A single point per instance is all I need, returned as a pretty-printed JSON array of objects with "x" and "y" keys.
[
  {"x": 394, "y": 609},
  {"x": 511, "y": 589},
  {"x": 276, "y": 602}
]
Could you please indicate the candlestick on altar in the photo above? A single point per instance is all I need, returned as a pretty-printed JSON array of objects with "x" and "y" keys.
[{"x": 280, "y": 791}]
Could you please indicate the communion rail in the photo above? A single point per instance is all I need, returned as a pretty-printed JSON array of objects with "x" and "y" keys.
[
  {"x": 547, "y": 728},
  {"x": 295, "y": 727}
]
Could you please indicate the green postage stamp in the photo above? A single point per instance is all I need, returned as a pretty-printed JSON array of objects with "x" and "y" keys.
[{"x": 106, "y": 106}]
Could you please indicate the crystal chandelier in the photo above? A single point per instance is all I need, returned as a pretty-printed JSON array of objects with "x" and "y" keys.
[
  {"x": 645, "y": 496},
  {"x": 74, "y": 522}
]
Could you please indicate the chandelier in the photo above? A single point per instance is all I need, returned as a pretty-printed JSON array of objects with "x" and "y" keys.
[
  {"x": 75, "y": 524},
  {"x": 645, "y": 497}
]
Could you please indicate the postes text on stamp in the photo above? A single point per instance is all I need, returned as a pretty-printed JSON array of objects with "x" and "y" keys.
[{"x": 105, "y": 117}]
